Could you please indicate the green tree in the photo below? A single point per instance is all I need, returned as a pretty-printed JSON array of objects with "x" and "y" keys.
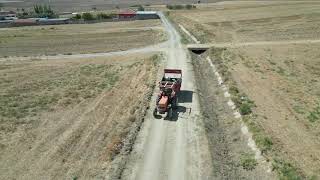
[
  {"x": 189, "y": 6},
  {"x": 103, "y": 16},
  {"x": 87, "y": 16},
  {"x": 78, "y": 16},
  {"x": 1, "y": 5},
  {"x": 140, "y": 8},
  {"x": 43, "y": 11}
]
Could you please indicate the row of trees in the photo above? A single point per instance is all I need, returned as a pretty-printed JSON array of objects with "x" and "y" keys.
[
  {"x": 89, "y": 16},
  {"x": 179, "y": 7},
  {"x": 44, "y": 11},
  {"x": 39, "y": 11}
]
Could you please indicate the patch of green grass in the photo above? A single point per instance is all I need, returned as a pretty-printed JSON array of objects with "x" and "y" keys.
[
  {"x": 281, "y": 71},
  {"x": 314, "y": 115},
  {"x": 243, "y": 103},
  {"x": 298, "y": 109},
  {"x": 245, "y": 108},
  {"x": 264, "y": 143},
  {"x": 247, "y": 161},
  {"x": 285, "y": 170},
  {"x": 233, "y": 89}
]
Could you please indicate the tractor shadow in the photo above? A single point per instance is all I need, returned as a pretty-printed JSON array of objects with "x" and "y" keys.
[
  {"x": 185, "y": 96},
  {"x": 175, "y": 113}
]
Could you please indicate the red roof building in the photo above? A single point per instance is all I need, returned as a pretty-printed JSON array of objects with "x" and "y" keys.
[{"x": 128, "y": 13}]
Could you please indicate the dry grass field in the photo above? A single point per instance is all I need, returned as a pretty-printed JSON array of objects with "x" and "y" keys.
[
  {"x": 81, "y": 5},
  {"x": 79, "y": 38},
  {"x": 245, "y": 22},
  {"x": 281, "y": 80},
  {"x": 68, "y": 118}
]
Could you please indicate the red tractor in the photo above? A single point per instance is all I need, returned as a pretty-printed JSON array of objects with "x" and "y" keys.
[{"x": 169, "y": 87}]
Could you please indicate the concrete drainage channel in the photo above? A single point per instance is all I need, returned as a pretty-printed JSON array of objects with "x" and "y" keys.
[{"x": 200, "y": 49}]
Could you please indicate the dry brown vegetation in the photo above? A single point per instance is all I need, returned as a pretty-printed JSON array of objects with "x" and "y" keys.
[
  {"x": 69, "y": 118},
  {"x": 245, "y": 22},
  {"x": 80, "y": 5},
  {"x": 281, "y": 81},
  {"x": 79, "y": 38}
]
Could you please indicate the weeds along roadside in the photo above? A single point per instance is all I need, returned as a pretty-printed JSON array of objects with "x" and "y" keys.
[
  {"x": 123, "y": 146},
  {"x": 221, "y": 57}
]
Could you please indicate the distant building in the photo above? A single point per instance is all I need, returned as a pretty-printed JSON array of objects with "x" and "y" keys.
[
  {"x": 24, "y": 22},
  {"x": 141, "y": 15},
  {"x": 54, "y": 21},
  {"x": 127, "y": 14},
  {"x": 8, "y": 15}
]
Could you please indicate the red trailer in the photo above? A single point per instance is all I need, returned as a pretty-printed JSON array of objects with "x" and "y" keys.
[{"x": 169, "y": 86}]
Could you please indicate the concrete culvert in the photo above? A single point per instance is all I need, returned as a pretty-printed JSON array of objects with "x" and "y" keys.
[{"x": 198, "y": 48}]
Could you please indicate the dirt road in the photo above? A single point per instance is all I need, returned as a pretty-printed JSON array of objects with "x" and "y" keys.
[
  {"x": 147, "y": 49},
  {"x": 175, "y": 149},
  {"x": 262, "y": 43}
]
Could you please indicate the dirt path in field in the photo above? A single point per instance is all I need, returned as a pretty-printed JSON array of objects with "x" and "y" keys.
[
  {"x": 148, "y": 49},
  {"x": 177, "y": 148},
  {"x": 239, "y": 44}
]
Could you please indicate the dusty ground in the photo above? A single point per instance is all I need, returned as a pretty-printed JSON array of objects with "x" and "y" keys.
[
  {"x": 68, "y": 118},
  {"x": 283, "y": 83},
  {"x": 79, "y": 38},
  {"x": 281, "y": 79},
  {"x": 245, "y": 22}
]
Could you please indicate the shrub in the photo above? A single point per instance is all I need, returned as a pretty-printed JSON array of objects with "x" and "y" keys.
[
  {"x": 169, "y": 6},
  {"x": 87, "y": 16},
  {"x": 78, "y": 16},
  {"x": 233, "y": 90},
  {"x": 265, "y": 143},
  {"x": 140, "y": 8},
  {"x": 103, "y": 16},
  {"x": 247, "y": 161},
  {"x": 189, "y": 6},
  {"x": 314, "y": 115},
  {"x": 43, "y": 11},
  {"x": 179, "y": 7},
  {"x": 245, "y": 108},
  {"x": 286, "y": 170}
]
